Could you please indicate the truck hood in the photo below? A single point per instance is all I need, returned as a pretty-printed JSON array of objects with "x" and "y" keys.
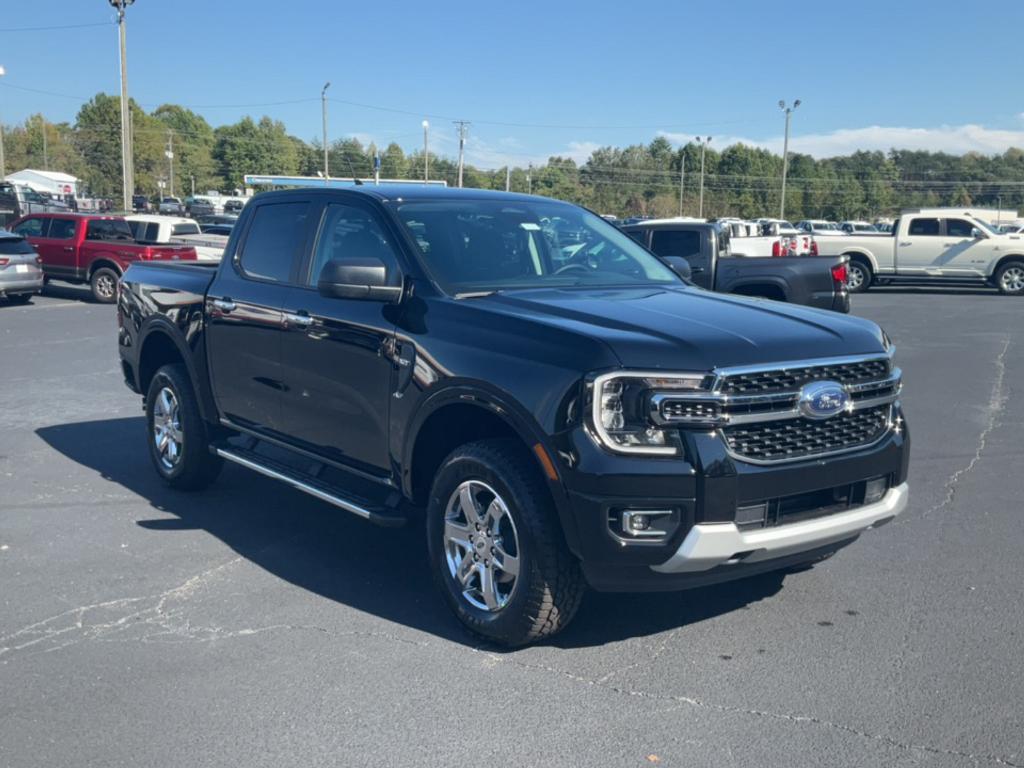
[{"x": 692, "y": 329}]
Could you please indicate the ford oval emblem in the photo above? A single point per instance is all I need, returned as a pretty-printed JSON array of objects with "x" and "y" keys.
[{"x": 823, "y": 399}]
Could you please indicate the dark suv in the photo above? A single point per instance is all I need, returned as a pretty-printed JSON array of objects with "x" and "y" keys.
[{"x": 562, "y": 407}]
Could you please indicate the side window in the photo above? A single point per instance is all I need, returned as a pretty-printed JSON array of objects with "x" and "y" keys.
[
  {"x": 62, "y": 229},
  {"x": 925, "y": 227},
  {"x": 33, "y": 227},
  {"x": 640, "y": 235},
  {"x": 350, "y": 231},
  {"x": 276, "y": 233},
  {"x": 959, "y": 228},
  {"x": 676, "y": 242}
]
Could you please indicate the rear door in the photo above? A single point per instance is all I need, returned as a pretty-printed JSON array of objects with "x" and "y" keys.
[
  {"x": 962, "y": 252},
  {"x": 337, "y": 355},
  {"x": 918, "y": 249},
  {"x": 691, "y": 245},
  {"x": 245, "y": 322}
]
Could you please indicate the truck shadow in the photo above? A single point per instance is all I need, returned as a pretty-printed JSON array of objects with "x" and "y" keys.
[
  {"x": 383, "y": 572},
  {"x": 58, "y": 290}
]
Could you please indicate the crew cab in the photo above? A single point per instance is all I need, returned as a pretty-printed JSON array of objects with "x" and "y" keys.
[
  {"x": 91, "y": 249},
  {"x": 933, "y": 246},
  {"x": 704, "y": 252},
  {"x": 560, "y": 416}
]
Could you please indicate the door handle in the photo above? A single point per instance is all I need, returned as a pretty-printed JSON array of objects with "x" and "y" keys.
[
  {"x": 907, "y": 243},
  {"x": 68, "y": 248},
  {"x": 224, "y": 305},
  {"x": 301, "y": 319}
]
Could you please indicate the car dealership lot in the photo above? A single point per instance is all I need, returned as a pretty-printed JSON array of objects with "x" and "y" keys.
[{"x": 252, "y": 625}]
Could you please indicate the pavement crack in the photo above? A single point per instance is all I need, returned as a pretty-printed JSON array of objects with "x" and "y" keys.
[
  {"x": 799, "y": 720},
  {"x": 993, "y": 410}
]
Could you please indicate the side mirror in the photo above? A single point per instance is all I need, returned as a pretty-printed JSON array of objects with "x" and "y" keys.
[
  {"x": 360, "y": 277},
  {"x": 680, "y": 266},
  {"x": 977, "y": 234}
]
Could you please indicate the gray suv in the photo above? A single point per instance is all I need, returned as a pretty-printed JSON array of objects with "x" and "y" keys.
[{"x": 21, "y": 277}]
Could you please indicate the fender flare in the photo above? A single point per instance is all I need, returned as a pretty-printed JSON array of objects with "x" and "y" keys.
[
  {"x": 863, "y": 253},
  {"x": 158, "y": 325},
  {"x": 1002, "y": 260},
  {"x": 103, "y": 261},
  {"x": 520, "y": 420}
]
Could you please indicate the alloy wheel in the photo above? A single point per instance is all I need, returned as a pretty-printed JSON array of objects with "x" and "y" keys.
[
  {"x": 105, "y": 286},
  {"x": 855, "y": 277},
  {"x": 168, "y": 436},
  {"x": 481, "y": 546},
  {"x": 1012, "y": 279}
]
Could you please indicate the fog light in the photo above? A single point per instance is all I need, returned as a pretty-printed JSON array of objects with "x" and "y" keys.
[
  {"x": 641, "y": 523},
  {"x": 875, "y": 488}
]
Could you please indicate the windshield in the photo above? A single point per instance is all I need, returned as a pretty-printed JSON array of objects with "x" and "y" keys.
[{"x": 488, "y": 245}]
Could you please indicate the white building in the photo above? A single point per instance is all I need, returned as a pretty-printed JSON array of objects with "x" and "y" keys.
[{"x": 54, "y": 182}]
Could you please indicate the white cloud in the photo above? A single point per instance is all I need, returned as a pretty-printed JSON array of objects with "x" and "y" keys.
[{"x": 955, "y": 139}]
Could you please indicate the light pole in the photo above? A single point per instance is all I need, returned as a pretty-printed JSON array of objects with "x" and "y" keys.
[
  {"x": 785, "y": 154},
  {"x": 682, "y": 179},
  {"x": 3, "y": 167},
  {"x": 170, "y": 160},
  {"x": 127, "y": 170},
  {"x": 323, "y": 110},
  {"x": 462, "y": 144},
  {"x": 426, "y": 151},
  {"x": 703, "y": 146}
]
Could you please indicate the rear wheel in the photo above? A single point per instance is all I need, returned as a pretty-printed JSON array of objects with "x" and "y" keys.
[
  {"x": 104, "y": 285},
  {"x": 176, "y": 433},
  {"x": 1010, "y": 278},
  {"x": 858, "y": 276},
  {"x": 496, "y": 548},
  {"x": 19, "y": 298}
]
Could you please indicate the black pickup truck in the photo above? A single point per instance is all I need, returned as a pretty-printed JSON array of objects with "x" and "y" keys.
[
  {"x": 403, "y": 352},
  {"x": 816, "y": 281}
]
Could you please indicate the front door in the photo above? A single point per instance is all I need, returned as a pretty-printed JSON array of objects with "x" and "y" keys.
[
  {"x": 244, "y": 315},
  {"x": 337, "y": 356},
  {"x": 919, "y": 250},
  {"x": 57, "y": 247}
]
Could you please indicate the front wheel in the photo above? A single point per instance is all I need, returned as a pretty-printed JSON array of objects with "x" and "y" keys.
[
  {"x": 176, "y": 433},
  {"x": 858, "y": 277},
  {"x": 104, "y": 285},
  {"x": 1010, "y": 278},
  {"x": 496, "y": 547}
]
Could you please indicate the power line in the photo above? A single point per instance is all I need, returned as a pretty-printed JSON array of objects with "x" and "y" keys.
[{"x": 52, "y": 28}]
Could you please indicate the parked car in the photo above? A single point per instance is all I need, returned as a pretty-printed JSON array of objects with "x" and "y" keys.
[
  {"x": 21, "y": 277},
  {"x": 179, "y": 231},
  {"x": 234, "y": 205},
  {"x": 769, "y": 238},
  {"x": 17, "y": 200},
  {"x": 172, "y": 205},
  {"x": 220, "y": 218},
  {"x": 203, "y": 205},
  {"x": 819, "y": 227},
  {"x": 933, "y": 246},
  {"x": 702, "y": 252},
  {"x": 91, "y": 248},
  {"x": 410, "y": 351},
  {"x": 141, "y": 204},
  {"x": 860, "y": 228}
]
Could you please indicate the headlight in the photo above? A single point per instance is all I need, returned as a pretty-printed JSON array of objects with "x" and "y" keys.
[{"x": 621, "y": 411}]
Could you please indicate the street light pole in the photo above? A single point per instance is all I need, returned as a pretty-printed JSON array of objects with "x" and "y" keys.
[
  {"x": 323, "y": 110},
  {"x": 462, "y": 144},
  {"x": 703, "y": 146},
  {"x": 3, "y": 166},
  {"x": 785, "y": 155},
  {"x": 426, "y": 151},
  {"x": 127, "y": 170},
  {"x": 170, "y": 160},
  {"x": 682, "y": 180}
]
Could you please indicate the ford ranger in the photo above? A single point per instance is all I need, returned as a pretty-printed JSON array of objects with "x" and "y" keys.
[{"x": 558, "y": 417}]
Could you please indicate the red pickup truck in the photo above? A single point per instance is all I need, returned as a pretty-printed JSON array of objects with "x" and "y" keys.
[{"x": 91, "y": 249}]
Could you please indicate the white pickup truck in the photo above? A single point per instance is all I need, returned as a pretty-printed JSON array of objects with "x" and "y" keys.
[
  {"x": 767, "y": 237},
  {"x": 933, "y": 246},
  {"x": 149, "y": 228}
]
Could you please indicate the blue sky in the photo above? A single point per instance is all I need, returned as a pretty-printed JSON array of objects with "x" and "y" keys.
[{"x": 543, "y": 78}]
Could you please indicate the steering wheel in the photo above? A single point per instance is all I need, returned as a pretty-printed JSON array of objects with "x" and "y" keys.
[{"x": 567, "y": 267}]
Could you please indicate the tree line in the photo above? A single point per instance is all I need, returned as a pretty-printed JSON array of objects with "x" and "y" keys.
[{"x": 644, "y": 179}]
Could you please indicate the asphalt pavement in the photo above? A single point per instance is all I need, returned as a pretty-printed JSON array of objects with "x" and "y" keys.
[{"x": 251, "y": 625}]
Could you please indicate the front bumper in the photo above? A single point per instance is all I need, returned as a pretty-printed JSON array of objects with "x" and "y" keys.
[{"x": 708, "y": 545}]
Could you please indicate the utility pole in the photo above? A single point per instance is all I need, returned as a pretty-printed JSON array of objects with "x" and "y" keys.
[
  {"x": 508, "y": 178},
  {"x": 46, "y": 154},
  {"x": 170, "y": 161},
  {"x": 462, "y": 144},
  {"x": 785, "y": 155},
  {"x": 426, "y": 151},
  {"x": 529, "y": 179},
  {"x": 323, "y": 110},
  {"x": 3, "y": 166},
  {"x": 703, "y": 147},
  {"x": 682, "y": 180},
  {"x": 193, "y": 178},
  {"x": 127, "y": 167}
]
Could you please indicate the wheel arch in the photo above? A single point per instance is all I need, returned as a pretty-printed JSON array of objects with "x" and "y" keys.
[
  {"x": 465, "y": 413},
  {"x": 161, "y": 344},
  {"x": 862, "y": 255},
  {"x": 1006, "y": 259},
  {"x": 101, "y": 262}
]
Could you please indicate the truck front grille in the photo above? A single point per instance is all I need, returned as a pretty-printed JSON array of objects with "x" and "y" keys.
[
  {"x": 790, "y": 379},
  {"x": 799, "y": 438}
]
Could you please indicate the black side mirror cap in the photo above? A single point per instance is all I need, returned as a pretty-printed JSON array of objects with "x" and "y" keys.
[
  {"x": 361, "y": 277},
  {"x": 679, "y": 265}
]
